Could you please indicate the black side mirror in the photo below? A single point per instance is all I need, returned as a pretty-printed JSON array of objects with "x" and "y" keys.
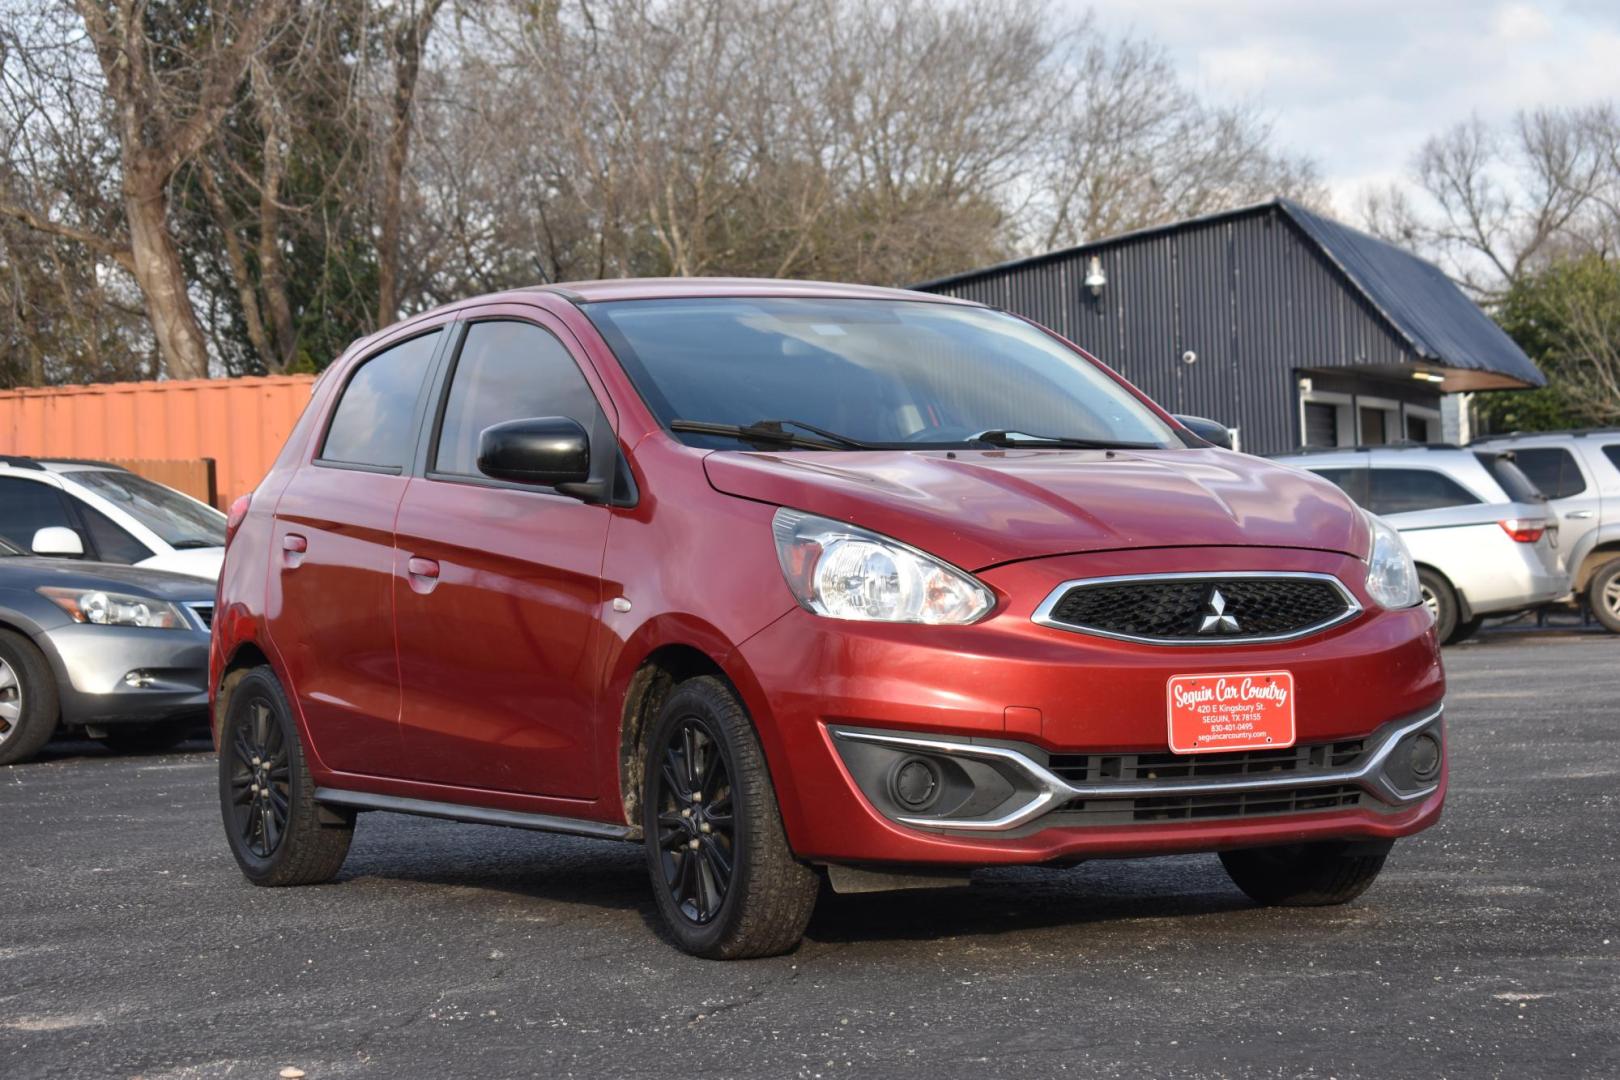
[
  {"x": 547, "y": 451},
  {"x": 1210, "y": 431}
]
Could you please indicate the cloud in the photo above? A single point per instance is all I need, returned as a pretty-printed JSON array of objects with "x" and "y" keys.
[{"x": 1360, "y": 86}]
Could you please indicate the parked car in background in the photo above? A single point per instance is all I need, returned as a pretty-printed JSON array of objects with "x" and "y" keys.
[
  {"x": 100, "y": 512},
  {"x": 1483, "y": 538},
  {"x": 780, "y": 578},
  {"x": 116, "y": 652},
  {"x": 1579, "y": 472}
]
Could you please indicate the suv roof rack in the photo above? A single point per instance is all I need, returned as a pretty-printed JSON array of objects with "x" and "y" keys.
[{"x": 16, "y": 461}]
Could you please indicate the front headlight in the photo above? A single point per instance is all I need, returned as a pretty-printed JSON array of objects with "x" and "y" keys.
[
  {"x": 102, "y": 608},
  {"x": 1391, "y": 575},
  {"x": 844, "y": 572}
]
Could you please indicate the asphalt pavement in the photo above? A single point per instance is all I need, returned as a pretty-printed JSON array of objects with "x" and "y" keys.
[{"x": 131, "y": 947}]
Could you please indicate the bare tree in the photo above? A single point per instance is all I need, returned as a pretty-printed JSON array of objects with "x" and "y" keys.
[
  {"x": 406, "y": 32},
  {"x": 1492, "y": 205}
]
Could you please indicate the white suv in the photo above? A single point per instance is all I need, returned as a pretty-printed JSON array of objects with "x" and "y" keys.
[
  {"x": 1481, "y": 534},
  {"x": 1579, "y": 472},
  {"x": 96, "y": 511}
]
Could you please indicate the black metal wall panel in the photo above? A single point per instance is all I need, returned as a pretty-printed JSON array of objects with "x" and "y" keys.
[{"x": 1249, "y": 294}]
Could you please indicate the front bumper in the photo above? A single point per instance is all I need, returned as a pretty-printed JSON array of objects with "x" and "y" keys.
[
  {"x": 114, "y": 674},
  {"x": 1039, "y": 692}
]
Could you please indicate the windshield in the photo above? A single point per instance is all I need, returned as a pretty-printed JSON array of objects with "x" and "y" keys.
[
  {"x": 893, "y": 373},
  {"x": 179, "y": 521}
]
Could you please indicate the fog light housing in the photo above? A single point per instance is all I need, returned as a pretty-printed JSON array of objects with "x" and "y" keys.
[
  {"x": 1424, "y": 756},
  {"x": 140, "y": 679},
  {"x": 915, "y": 783}
]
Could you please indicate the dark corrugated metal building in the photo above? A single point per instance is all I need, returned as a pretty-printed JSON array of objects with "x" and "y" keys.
[{"x": 1286, "y": 325}]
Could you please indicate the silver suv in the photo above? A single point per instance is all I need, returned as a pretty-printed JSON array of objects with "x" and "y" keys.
[
  {"x": 1481, "y": 534},
  {"x": 1579, "y": 472}
]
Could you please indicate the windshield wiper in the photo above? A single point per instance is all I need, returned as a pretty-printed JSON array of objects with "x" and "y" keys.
[
  {"x": 775, "y": 431},
  {"x": 1011, "y": 439}
]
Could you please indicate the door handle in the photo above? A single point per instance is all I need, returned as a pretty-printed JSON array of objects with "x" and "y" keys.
[
  {"x": 1580, "y": 515},
  {"x": 423, "y": 573},
  {"x": 293, "y": 547}
]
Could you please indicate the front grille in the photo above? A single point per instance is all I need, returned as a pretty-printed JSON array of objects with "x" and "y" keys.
[
  {"x": 1231, "y": 804},
  {"x": 1200, "y": 610},
  {"x": 204, "y": 613},
  {"x": 1132, "y": 768}
]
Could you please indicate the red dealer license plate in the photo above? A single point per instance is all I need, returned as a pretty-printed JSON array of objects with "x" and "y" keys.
[{"x": 1250, "y": 710}]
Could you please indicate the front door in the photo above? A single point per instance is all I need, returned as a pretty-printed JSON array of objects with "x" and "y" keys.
[
  {"x": 332, "y": 564},
  {"x": 497, "y": 588}
]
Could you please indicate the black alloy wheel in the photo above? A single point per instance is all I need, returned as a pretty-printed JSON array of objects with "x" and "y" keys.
[
  {"x": 724, "y": 878},
  {"x": 696, "y": 837},
  {"x": 277, "y": 832},
  {"x": 260, "y": 780}
]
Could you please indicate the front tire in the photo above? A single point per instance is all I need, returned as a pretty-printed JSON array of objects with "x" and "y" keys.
[
  {"x": 28, "y": 701},
  {"x": 1304, "y": 875},
  {"x": 274, "y": 826},
  {"x": 1603, "y": 595},
  {"x": 726, "y": 882}
]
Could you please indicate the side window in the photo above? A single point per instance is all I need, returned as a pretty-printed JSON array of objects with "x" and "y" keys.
[
  {"x": 111, "y": 542},
  {"x": 1552, "y": 468},
  {"x": 1352, "y": 481},
  {"x": 1401, "y": 491},
  {"x": 374, "y": 420},
  {"x": 1515, "y": 484},
  {"x": 509, "y": 371},
  {"x": 27, "y": 506},
  {"x": 1612, "y": 452}
]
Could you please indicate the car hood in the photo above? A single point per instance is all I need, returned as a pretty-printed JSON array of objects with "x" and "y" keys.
[
  {"x": 32, "y": 573},
  {"x": 978, "y": 508},
  {"x": 198, "y": 562}
]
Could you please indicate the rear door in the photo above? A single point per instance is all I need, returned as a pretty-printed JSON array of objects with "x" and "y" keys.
[
  {"x": 1572, "y": 494},
  {"x": 331, "y": 609},
  {"x": 497, "y": 587}
]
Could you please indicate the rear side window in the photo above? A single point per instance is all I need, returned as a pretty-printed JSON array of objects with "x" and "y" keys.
[
  {"x": 1612, "y": 452},
  {"x": 1553, "y": 470},
  {"x": 1352, "y": 481},
  {"x": 509, "y": 371},
  {"x": 1402, "y": 491},
  {"x": 374, "y": 423},
  {"x": 27, "y": 506},
  {"x": 1519, "y": 487}
]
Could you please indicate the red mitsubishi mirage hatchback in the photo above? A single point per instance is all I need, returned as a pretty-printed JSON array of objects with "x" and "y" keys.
[{"x": 791, "y": 582}]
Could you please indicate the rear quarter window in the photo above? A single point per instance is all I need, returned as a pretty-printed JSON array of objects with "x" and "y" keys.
[
  {"x": 374, "y": 424},
  {"x": 1353, "y": 482},
  {"x": 1403, "y": 491},
  {"x": 1612, "y": 452},
  {"x": 1553, "y": 470},
  {"x": 1515, "y": 484}
]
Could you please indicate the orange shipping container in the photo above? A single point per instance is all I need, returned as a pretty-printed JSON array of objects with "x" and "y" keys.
[{"x": 240, "y": 423}]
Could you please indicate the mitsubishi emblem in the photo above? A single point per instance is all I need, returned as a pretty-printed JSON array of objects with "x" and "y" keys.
[{"x": 1218, "y": 621}]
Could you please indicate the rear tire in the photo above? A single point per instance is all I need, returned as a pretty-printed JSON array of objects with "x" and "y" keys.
[
  {"x": 277, "y": 832},
  {"x": 726, "y": 882},
  {"x": 29, "y": 706},
  {"x": 1441, "y": 600},
  {"x": 1466, "y": 630},
  {"x": 1304, "y": 875},
  {"x": 147, "y": 738},
  {"x": 1603, "y": 595}
]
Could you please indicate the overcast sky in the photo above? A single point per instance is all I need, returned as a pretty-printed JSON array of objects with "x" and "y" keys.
[{"x": 1358, "y": 86}]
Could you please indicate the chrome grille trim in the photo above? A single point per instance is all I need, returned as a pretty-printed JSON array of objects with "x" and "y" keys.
[
  {"x": 1052, "y": 791},
  {"x": 203, "y": 612},
  {"x": 1043, "y": 613}
]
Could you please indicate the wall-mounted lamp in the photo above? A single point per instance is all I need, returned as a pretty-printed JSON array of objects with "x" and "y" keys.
[
  {"x": 1095, "y": 278},
  {"x": 1428, "y": 376}
]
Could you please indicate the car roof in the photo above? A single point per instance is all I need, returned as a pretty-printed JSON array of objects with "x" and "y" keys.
[
  {"x": 1328, "y": 452},
  {"x": 1579, "y": 433},
  {"x": 56, "y": 465}
]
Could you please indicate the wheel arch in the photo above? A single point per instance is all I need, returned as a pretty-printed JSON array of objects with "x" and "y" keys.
[
  {"x": 1604, "y": 551},
  {"x": 1465, "y": 610}
]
